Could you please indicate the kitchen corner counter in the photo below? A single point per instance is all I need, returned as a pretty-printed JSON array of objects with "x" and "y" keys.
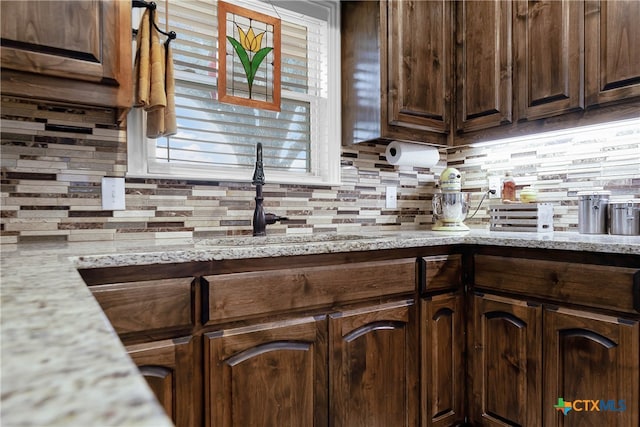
[{"x": 62, "y": 362}]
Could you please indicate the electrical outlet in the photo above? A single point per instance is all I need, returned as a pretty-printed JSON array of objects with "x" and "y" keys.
[
  {"x": 391, "y": 200},
  {"x": 495, "y": 184},
  {"x": 113, "y": 194}
]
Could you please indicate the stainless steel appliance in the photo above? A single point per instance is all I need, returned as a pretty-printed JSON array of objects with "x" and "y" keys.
[
  {"x": 593, "y": 212},
  {"x": 625, "y": 217}
]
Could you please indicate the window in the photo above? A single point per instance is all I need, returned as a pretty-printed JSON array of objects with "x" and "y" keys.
[{"x": 217, "y": 141}]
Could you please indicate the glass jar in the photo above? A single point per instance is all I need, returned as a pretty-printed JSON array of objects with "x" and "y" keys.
[
  {"x": 528, "y": 195},
  {"x": 508, "y": 188}
]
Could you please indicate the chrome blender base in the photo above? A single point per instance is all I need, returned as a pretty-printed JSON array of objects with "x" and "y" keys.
[{"x": 449, "y": 226}]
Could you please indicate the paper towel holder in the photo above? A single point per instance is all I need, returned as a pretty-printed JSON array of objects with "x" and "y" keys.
[{"x": 405, "y": 153}]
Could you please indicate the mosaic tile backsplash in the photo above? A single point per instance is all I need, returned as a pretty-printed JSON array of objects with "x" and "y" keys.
[
  {"x": 53, "y": 161},
  {"x": 558, "y": 166},
  {"x": 54, "y": 157}
]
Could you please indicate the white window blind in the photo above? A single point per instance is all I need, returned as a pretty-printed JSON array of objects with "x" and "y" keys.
[{"x": 218, "y": 140}]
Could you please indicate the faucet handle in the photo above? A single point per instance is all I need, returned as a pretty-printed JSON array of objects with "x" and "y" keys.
[{"x": 273, "y": 218}]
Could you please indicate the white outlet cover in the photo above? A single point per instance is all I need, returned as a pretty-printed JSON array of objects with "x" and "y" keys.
[
  {"x": 391, "y": 199},
  {"x": 495, "y": 184},
  {"x": 113, "y": 194}
]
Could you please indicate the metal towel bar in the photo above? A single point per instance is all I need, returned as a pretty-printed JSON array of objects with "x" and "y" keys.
[{"x": 171, "y": 35}]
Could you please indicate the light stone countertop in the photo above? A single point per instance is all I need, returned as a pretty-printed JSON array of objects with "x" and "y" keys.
[{"x": 62, "y": 363}]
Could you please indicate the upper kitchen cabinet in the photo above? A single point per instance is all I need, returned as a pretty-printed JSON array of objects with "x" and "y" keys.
[
  {"x": 71, "y": 51},
  {"x": 548, "y": 48},
  {"x": 573, "y": 64},
  {"x": 397, "y": 65},
  {"x": 483, "y": 65},
  {"x": 612, "y": 56}
]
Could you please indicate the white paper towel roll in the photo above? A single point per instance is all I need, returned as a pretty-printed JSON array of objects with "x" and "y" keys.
[{"x": 410, "y": 154}]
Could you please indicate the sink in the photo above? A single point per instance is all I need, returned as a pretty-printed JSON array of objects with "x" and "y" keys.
[{"x": 283, "y": 239}]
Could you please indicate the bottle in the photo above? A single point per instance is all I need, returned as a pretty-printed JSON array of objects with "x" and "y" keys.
[{"x": 508, "y": 188}]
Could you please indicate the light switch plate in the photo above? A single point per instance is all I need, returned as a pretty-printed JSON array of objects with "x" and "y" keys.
[
  {"x": 113, "y": 194},
  {"x": 391, "y": 200}
]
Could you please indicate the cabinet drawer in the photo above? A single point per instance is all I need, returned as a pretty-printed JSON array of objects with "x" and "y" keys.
[
  {"x": 239, "y": 295},
  {"x": 438, "y": 273},
  {"x": 613, "y": 288},
  {"x": 148, "y": 305}
]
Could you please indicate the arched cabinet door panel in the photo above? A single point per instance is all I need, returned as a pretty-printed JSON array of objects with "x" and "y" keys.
[
  {"x": 505, "y": 354},
  {"x": 171, "y": 368},
  {"x": 442, "y": 379},
  {"x": 267, "y": 374},
  {"x": 373, "y": 366},
  {"x": 591, "y": 357}
]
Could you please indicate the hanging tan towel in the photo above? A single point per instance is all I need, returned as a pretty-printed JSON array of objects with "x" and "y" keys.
[
  {"x": 162, "y": 121},
  {"x": 142, "y": 63},
  {"x": 157, "y": 95},
  {"x": 170, "y": 125},
  {"x": 155, "y": 116},
  {"x": 154, "y": 84}
]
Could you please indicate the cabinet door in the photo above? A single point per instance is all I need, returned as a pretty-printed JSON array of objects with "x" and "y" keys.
[
  {"x": 505, "y": 353},
  {"x": 612, "y": 55},
  {"x": 271, "y": 374},
  {"x": 549, "y": 46},
  {"x": 373, "y": 366},
  {"x": 419, "y": 63},
  {"x": 361, "y": 33},
  {"x": 484, "y": 64},
  {"x": 442, "y": 347},
  {"x": 172, "y": 370},
  {"x": 74, "y": 51},
  {"x": 588, "y": 358}
]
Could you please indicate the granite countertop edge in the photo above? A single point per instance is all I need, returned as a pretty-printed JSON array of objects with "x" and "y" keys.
[{"x": 62, "y": 362}]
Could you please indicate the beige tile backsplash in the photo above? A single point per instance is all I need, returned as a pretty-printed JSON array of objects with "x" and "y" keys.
[{"x": 54, "y": 157}]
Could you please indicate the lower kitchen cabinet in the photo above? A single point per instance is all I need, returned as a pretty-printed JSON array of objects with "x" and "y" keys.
[
  {"x": 442, "y": 381},
  {"x": 172, "y": 370},
  {"x": 591, "y": 360},
  {"x": 373, "y": 366},
  {"x": 505, "y": 353},
  {"x": 272, "y": 374},
  {"x": 487, "y": 337},
  {"x": 578, "y": 346}
]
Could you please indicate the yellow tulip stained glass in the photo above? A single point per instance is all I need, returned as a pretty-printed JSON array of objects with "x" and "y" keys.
[{"x": 249, "y": 57}]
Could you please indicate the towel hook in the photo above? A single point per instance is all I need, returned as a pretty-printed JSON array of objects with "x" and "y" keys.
[{"x": 171, "y": 35}]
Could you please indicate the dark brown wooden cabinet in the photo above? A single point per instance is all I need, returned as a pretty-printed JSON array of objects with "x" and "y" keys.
[
  {"x": 360, "y": 366},
  {"x": 505, "y": 355},
  {"x": 143, "y": 311},
  {"x": 139, "y": 308},
  {"x": 172, "y": 370},
  {"x": 397, "y": 65},
  {"x": 373, "y": 366},
  {"x": 442, "y": 347},
  {"x": 416, "y": 336},
  {"x": 573, "y": 65},
  {"x": 70, "y": 51},
  {"x": 267, "y": 374},
  {"x": 419, "y": 64},
  {"x": 612, "y": 57},
  {"x": 442, "y": 381},
  {"x": 578, "y": 341},
  {"x": 587, "y": 358},
  {"x": 549, "y": 57},
  {"x": 483, "y": 65}
]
